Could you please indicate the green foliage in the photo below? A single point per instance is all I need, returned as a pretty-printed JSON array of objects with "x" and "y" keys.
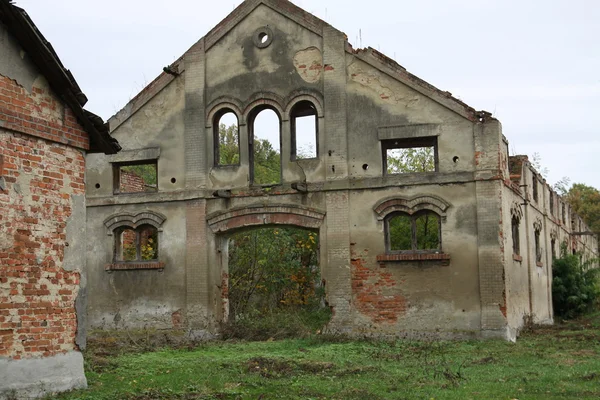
[
  {"x": 400, "y": 231},
  {"x": 414, "y": 159},
  {"x": 417, "y": 232},
  {"x": 229, "y": 145},
  {"x": 271, "y": 269},
  {"x": 575, "y": 287},
  {"x": 558, "y": 362},
  {"x": 146, "y": 171},
  {"x": 585, "y": 201},
  {"x": 267, "y": 163}
]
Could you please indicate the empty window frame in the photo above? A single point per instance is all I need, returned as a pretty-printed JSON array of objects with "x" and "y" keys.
[
  {"x": 534, "y": 188},
  {"x": 515, "y": 236},
  {"x": 420, "y": 232},
  {"x": 553, "y": 246},
  {"x": 402, "y": 156},
  {"x": 135, "y": 245},
  {"x": 563, "y": 213},
  {"x": 538, "y": 248},
  {"x": 138, "y": 177},
  {"x": 265, "y": 147},
  {"x": 304, "y": 124},
  {"x": 226, "y": 138}
]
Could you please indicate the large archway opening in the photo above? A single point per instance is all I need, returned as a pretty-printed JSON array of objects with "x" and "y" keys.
[{"x": 274, "y": 285}]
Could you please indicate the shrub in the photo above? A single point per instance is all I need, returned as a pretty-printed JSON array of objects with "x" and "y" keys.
[{"x": 575, "y": 286}]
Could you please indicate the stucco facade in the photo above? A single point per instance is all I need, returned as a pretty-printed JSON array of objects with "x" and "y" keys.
[{"x": 269, "y": 54}]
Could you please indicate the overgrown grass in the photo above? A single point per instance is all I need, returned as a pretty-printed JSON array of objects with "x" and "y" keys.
[{"x": 559, "y": 362}]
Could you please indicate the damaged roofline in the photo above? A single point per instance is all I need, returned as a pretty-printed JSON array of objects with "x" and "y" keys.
[
  {"x": 369, "y": 55},
  {"x": 60, "y": 79}
]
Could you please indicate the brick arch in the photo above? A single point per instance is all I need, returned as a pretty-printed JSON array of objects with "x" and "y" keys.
[
  {"x": 264, "y": 99},
  {"x": 304, "y": 95},
  {"x": 261, "y": 215},
  {"x": 225, "y": 103},
  {"x": 134, "y": 221},
  {"x": 411, "y": 206}
]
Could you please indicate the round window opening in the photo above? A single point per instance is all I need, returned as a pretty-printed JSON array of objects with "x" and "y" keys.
[{"x": 263, "y": 37}]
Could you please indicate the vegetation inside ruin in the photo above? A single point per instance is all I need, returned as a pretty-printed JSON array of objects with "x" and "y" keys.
[
  {"x": 554, "y": 362},
  {"x": 575, "y": 285},
  {"x": 275, "y": 288}
]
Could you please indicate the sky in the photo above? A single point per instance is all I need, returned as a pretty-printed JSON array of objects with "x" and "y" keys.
[{"x": 535, "y": 64}]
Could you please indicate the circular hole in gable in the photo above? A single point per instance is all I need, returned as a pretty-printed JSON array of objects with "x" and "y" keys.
[
  {"x": 173, "y": 180},
  {"x": 97, "y": 186},
  {"x": 262, "y": 37},
  {"x": 365, "y": 166}
]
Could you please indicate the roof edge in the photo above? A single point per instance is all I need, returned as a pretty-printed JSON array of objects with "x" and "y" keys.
[{"x": 60, "y": 79}]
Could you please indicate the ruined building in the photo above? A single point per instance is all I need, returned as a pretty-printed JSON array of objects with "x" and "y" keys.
[
  {"x": 498, "y": 223},
  {"x": 44, "y": 136}
]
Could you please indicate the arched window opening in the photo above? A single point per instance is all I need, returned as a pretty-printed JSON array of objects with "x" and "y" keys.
[
  {"x": 515, "y": 236},
  {"x": 304, "y": 130},
  {"x": 227, "y": 139},
  {"x": 420, "y": 232},
  {"x": 139, "y": 244},
  {"x": 265, "y": 148}
]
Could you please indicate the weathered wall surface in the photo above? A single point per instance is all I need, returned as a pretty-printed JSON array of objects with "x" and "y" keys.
[
  {"x": 42, "y": 239},
  {"x": 470, "y": 287},
  {"x": 529, "y": 275}
]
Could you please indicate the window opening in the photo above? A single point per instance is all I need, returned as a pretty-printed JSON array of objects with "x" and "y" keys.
[
  {"x": 304, "y": 130},
  {"x": 227, "y": 139},
  {"x": 515, "y": 236},
  {"x": 534, "y": 187},
  {"x": 564, "y": 220},
  {"x": 267, "y": 283},
  {"x": 139, "y": 244},
  {"x": 551, "y": 203},
  {"x": 553, "y": 246},
  {"x": 410, "y": 155},
  {"x": 418, "y": 232},
  {"x": 266, "y": 148},
  {"x": 538, "y": 249},
  {"x": 136, "y": 177}
]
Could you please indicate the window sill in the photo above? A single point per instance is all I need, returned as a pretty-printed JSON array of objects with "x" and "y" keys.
[
  {"x": 539, "y": 264},
  {"x": 517, "y": 257},
  {"x": 402, "y": 257},
  {"x": 134, "y": 265}
]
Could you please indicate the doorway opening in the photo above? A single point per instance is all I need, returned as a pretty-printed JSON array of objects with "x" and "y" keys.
[{"x": 274, "y": 284}]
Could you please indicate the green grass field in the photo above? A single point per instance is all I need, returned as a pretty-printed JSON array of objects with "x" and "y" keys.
[{"x": 559, "y": 362}]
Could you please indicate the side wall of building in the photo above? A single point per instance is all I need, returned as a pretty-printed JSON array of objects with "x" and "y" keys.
[
  {"x": 540, "y": 211},
  {"x": 42, "y": 240}
]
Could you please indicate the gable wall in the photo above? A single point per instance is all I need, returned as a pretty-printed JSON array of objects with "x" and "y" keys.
[{"x": 358, "y": 101}]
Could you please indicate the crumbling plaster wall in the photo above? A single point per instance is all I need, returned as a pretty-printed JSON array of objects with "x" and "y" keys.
[
  {"x": 529, "y": 283},
  {"x": 359, "y": 102},
  {"x": 42, "y": 289}
]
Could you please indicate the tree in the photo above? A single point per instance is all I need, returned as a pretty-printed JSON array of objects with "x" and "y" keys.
[
  {"x": 585, "y": 201},
  {"x": 412, "y": 159},
  {"x": 575, "y": 288},
  {"x": 229, "y": 145}
]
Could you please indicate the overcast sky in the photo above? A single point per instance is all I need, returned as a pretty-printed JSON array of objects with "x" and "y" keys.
[{"x": 535, "y": 64}]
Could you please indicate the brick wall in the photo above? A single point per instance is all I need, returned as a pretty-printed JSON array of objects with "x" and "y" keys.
[
  {"x": 37, "y": 295},
  {"x": 39, "y": 113},
  {"x": 130, "y": 182}
]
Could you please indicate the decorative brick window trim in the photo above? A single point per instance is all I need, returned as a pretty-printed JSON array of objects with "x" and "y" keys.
[
  {"x": 517, "y": 257},
  {"x": 124, "y": 266},
  {"x": 401, "y": 257},
  {"x": 539, "y": 264}
]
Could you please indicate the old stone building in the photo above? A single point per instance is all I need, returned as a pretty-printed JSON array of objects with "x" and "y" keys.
[
  {"x": 495, "y": 222},
  {"x": 44, "y": 136}
]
